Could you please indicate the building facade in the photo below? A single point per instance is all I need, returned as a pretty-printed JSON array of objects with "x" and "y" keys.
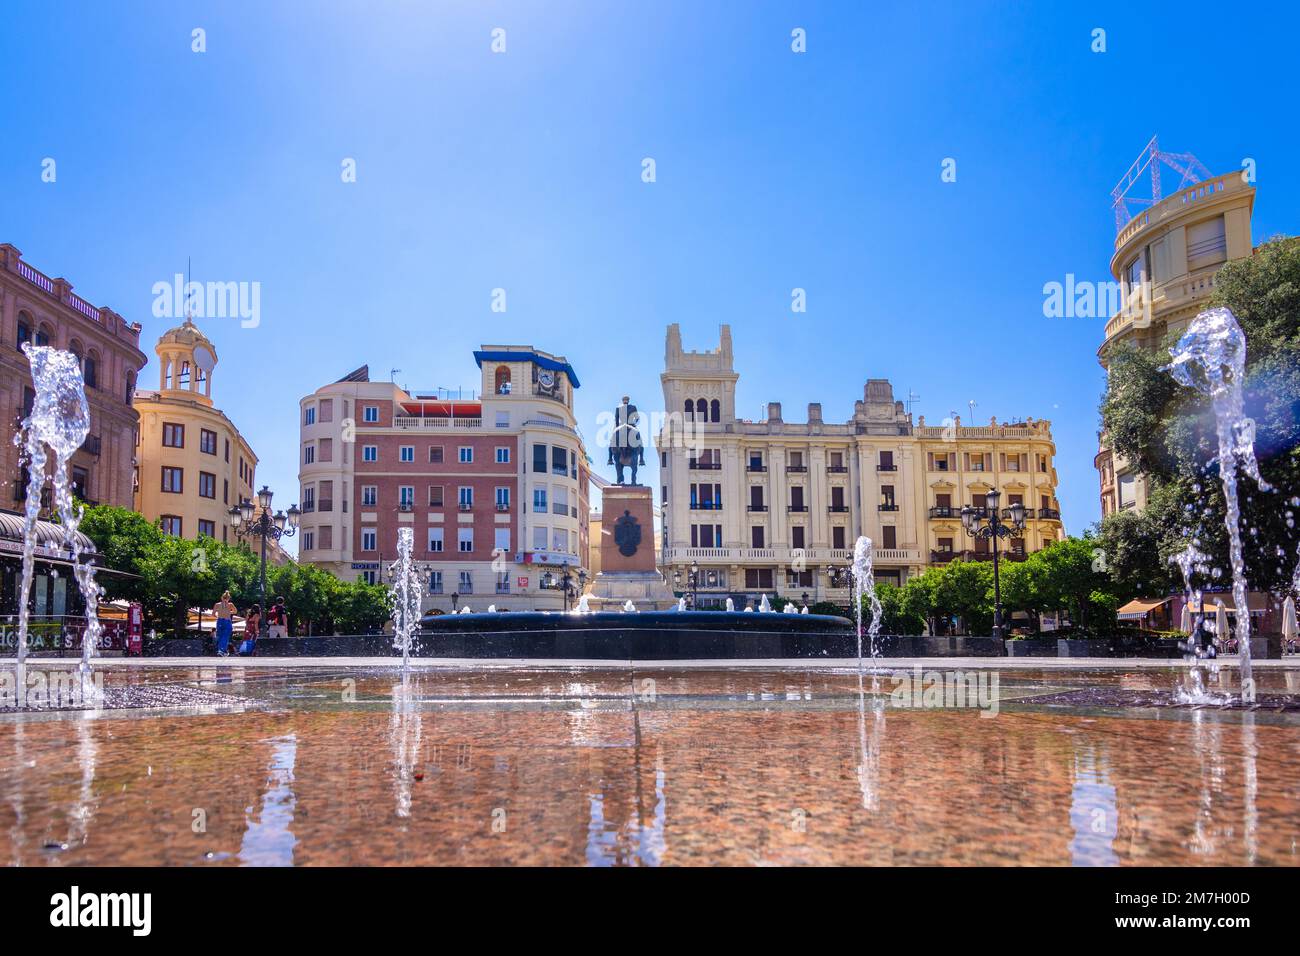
[
  {"x": 1165, "y": 260},
  {"x": 38, "y": 309},
  {"x": 194, "y": 465},
  {"x": 494, "y": 487},
  {"x": 773, "y": 506}
]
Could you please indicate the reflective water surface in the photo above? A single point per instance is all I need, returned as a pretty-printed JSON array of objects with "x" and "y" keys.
[{"x": 652, "y": 767}]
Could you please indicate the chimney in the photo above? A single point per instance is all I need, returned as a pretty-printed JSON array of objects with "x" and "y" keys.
[
  {"x": 814, "y": 413},
  {"x": 773, "y": 411}
]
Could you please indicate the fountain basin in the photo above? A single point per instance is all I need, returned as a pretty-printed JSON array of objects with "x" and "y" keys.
[{"x": 647, "y": 635}]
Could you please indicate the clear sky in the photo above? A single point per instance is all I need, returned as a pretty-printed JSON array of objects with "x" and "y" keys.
[{"x": 522, "y": 170}]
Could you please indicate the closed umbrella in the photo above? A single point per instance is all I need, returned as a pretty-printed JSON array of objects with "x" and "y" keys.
[
  {"x": 1289, "y": 629},
  {"x": 1185, "y": 622},
  {"x": 1221, "y": 621}
]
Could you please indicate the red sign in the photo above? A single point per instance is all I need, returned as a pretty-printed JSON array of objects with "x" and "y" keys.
[
  {"x": 135, "y": 630},
  {"x": 523, "y": 582}
]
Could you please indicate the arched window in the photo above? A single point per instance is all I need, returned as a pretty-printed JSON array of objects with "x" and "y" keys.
[
  {"x": 503, "y": 380},
  {"x": 90, "y": 370},
  {"x": 43, "y": 335},
  {"x": 690, "y": 410},
  {"x": 24, "y": 328},
  {"x": 702, "y": 410},
  {"x": 183, "y": 379},
  {"x": 715, "y": 410}
]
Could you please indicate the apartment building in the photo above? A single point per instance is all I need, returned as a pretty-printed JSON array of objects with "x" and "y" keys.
[
  {"x": 45, "y": 311},
  {"x": 493, "y": 486},
  {"x": 775, "y": 507},
  {"x": 1166, "y": 258},
  {"x": 193, "y": 464}
]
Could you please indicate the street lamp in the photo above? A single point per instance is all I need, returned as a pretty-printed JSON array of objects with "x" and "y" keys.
[
  {"x": 267, "y": 526},
  {"x": 566, "y": 582},
  {"x": 992, "y": 527},
  {"x": 695, "y": 585}
]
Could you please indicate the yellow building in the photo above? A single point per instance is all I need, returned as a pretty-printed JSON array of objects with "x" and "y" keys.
[
  {"x": 1165, "y": 260},
  {"x": 192, "y": 464},
  {"x": 775, "y": 506}
]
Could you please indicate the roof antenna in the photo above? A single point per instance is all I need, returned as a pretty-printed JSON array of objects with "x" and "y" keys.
[
  {"x": 912, "y": 399},
  {"x": 392, "y": 375}
]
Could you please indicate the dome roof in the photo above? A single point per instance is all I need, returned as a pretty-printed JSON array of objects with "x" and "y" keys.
[{"x": 187, "y": 334}]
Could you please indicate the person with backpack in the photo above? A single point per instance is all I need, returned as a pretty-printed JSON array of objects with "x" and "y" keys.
[
  {"x": 277, "y": 619},
  {"x": 252, "y": 624}
]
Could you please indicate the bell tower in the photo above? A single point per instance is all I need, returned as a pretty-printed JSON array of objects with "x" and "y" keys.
[{"x": 186, "y": 359}]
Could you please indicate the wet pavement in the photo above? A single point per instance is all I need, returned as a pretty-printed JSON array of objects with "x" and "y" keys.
[{"x": 327, "y": 763}]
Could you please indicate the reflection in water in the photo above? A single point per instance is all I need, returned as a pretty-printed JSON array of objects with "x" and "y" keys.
[
  {"x": 763, "y": 768},
  {"x": 84, "y": 809},
  {"x": 1207, "y": 747},
  {"x": 269, "y": 839},
  {"x": 1093, "y": 811},
  {"x": 869, "y": 748},
  {"x": 405, "y": 731},
  {"x": 1250, "y": 785}
]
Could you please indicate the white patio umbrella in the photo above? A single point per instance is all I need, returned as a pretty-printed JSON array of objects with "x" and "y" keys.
[
  {"x": 1221, "y": 622},
  {"x": 1289, "y": 629},
  {"x": 1185, "y": 622}
]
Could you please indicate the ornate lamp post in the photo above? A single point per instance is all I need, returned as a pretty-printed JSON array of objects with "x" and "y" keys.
[
  {"x": 992, "y": 527},
  {"x": 566, "y": 582},
  {"x": 695, "y": 585},
  {"x": 266, "y": 526}
]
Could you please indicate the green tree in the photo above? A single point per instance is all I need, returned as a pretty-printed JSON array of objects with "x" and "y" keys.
[
  {"x": 898, "y": 614},
  {"x": 1073, "y": 580},
  {"x": 1168, "y": 431},
  {"x": 965, "y": 588}
]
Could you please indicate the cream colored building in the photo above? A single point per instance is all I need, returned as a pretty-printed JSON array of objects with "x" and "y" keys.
[
  {"x": 1166, "y": 259},
  {"x": 772, "y": 506},
  {"x": 192, "y": 463}
]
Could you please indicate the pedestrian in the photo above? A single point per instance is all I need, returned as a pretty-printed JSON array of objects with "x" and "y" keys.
[
  {"x": 225, "y": 612},
  {"x": 252, "y": 624},
  {"x": 277, "y": 619}
]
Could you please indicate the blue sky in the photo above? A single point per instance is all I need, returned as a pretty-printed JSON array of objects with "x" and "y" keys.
[{"x": 522, "y": 171}]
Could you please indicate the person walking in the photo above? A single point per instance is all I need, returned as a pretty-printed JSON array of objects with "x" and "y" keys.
[
  {"x": 277, "y": 619},
  {"x": 252, "y": 625},
  {"x": 225, "y": 612}
]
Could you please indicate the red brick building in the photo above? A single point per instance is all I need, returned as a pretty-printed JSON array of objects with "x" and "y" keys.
[{"x": 493, "y": 486}]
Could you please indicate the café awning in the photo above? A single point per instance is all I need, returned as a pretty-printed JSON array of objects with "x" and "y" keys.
[
  {"x": 1139, "y": 608},
  {"x": 1255, "y": 600}
]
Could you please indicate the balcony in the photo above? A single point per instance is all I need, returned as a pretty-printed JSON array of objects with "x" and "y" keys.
[
  {"x": 884, "y": 467},
  {"x": 705, "y": 465},
  {"x": 422, "y": 422},
  {"x": 503, "y": 587},
  {"x": 753, "y": 468},
  {"x": 502, "y": 506},
  {"x": 945, "y": 511},
  {"x": 838, "y": 509},
  {"x": 887, "y": 506},
  {"x": 837, "y": 469},
  {"x": 757, "y": 508},
  {"x": 706, "y": 505},
  {"x": 797, "y": 508},
  {"x": 466, "y": 506},
  {"x": 1049, "y": 514},
  {"x": 796, "y": 469},
  {"x": 405, "y": 505},
  {"x": 943, "y": 557}
]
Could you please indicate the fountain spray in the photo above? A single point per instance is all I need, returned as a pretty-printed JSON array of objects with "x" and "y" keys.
[
  {"x": 1211, "y": 358},
  {"x": 864, "y": 584},
  {"x": 60, "y": 419},
  {"x": 404, "y": 595}
]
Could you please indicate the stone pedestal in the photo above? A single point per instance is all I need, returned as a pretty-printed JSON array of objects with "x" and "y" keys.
[{"x": 627, "y": 553}]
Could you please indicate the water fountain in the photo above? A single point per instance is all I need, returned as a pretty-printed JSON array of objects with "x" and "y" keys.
[
  {"x": 584, "y": 605},
  {"x": 681, "y": 604},
  {"x": 629, "y": 608},
  {"x": 790, "y": 608},
  {"x": 404, "y": 595},
  {"x": 765, "y": 606},
  {"x": 1191, "y": 561},
  {"x": 1211, "y": 358},
  {"x": 60, "y": 419},
  {"x": 731, "y": 605},
  {"x": 864, "y": 585}
]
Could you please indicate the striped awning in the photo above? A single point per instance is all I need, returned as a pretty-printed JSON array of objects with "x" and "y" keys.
[{"x": 50, "y": 538}]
